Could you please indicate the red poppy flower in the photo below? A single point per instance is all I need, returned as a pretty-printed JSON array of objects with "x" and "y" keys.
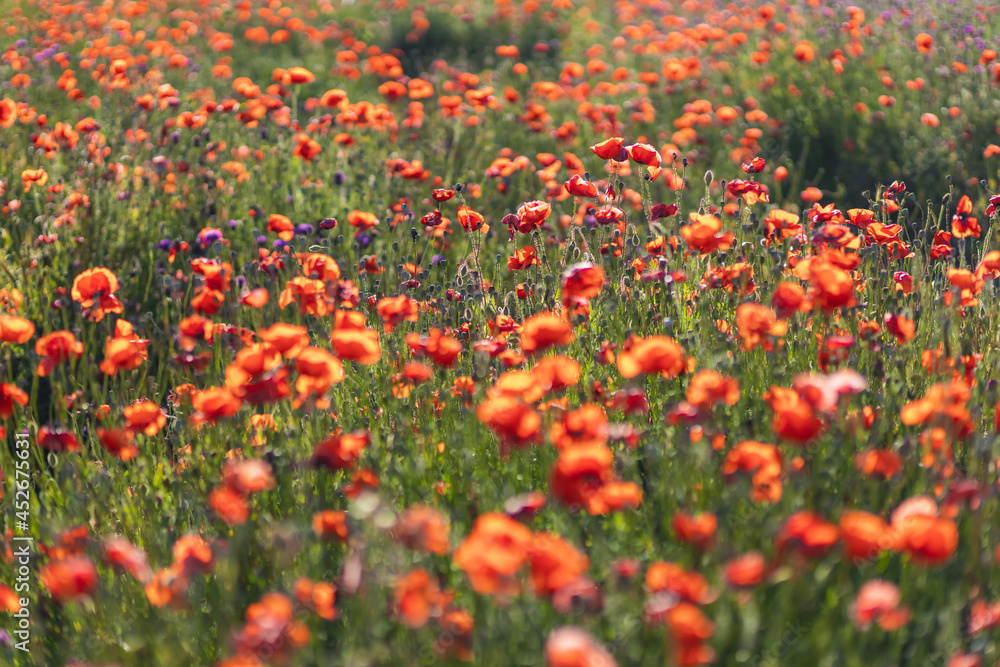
[{"x": 611, "y": 149}]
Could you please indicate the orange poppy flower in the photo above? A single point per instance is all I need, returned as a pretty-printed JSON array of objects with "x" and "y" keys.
[
  {"x": 281, "y": 224},
  {"x": 703, "y": 234},
  {"x": 879, "y": 463},
  {"x": 804, "y": 52},
  {"x": 310, "y": 294},
  {"x": 270, "y": 629},
  {"x": 514, "y": 422},
  {"x": 287, "y": 339},
  {"x": 545, "y": 330},
  {"x": 611, "y": 149},
  {"x": 145, "y": 416},
  {"x": 583, "y": 426},
  {"x": 988, "y": 266},
  {"x": 69, "y": 579},
  {"x": 248, "y": 476},
  {"x": 751, "y": 192},
  {"x": 795, "y": 418},
  {"x": 9, "y": 395},
  {"x": 901, "y": 327},
  {"x": 213, "y": 404},
  {"x": 8, "y": 112},
  {"x": 471, "y": 220},
  {"x": 166, "y": 587},
  {"x": 656, "y": 354},
  {"x": 193, "y": 555},
  {"x": 531, "y": 215},
  {"x": 341, "y": 451},
  {"x": 208, "y": 301},
  {"x": 582, "y": 479},
  {"x": 555, "y": 373},
  {"x": 644, "y": 154},
  {"x": 94, "y": 289},
  {"x": 15, "y": 329},
  {"x": 251, "y": 361},
  {"x": 756, "y": 325},
  {"x": 861, "y": 217},
  {"x": 122, "y": 554},
  {"x": 709, "y": 387},
  {"x": 441, "y": 348},
  {"x": 362, "y": 219},
  {"x": 578, "y": 187},
  {"x": 808, "y": 534},
  {"x": 423, "y": 528},
  {"x": 929, "y": 540},
  {"x": 962, "y": 223},
  {"x": 298, "y": 75},
  {"x": 330, "y": 524},
  {"x": 697, "y": 529},
  {"x": 615, "y": 495},
  {"x": 216, "y": 275},
  {"x": 56, "y": 348},
  {"x": 943, "y": 404},
  {"x": 671, "y": 577},
  {"x": 570, "y": 646},
  {"x": 255, "y": 298},
  {"x": 37, "y": 177},
  {"x": 832, "y": 286},
  {"x": 764, "y": 461},
  {"x": 782, "y": 225},
  {"x": 522, "y": 259},
  {"x": 397, "y": 309},
  {"x": 306, "y": 147},
  {"x": 581, "y": 282},
  {"x": 123, "y": 351},
  {"x": 360, "y": 345},
  {"x": 418, "y": 598},
  {"x": 746, "y": 570},
  {"x": 318, "y": 371},
  {"x": 865, "y": 535},
  {"x": 690, "y": 629},
  {"x": 118, "y": 442},
  {"x": 878, "y": 602},
  {"x": 968, "y": 285},
  {"x": 493, "y": 553},
  {"x": 789, "y": 298},
  {"x": 318, "y": 596},
  {"x": 554, "y": 563},
  {"x": 811, "y": 194},
  {"x": 229, "y": 505}
]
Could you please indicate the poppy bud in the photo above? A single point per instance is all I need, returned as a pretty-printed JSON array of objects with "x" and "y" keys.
[{"x": 709, "y": 177}]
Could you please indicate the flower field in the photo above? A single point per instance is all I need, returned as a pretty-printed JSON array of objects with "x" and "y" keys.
[{"x": 530, "y": 332}]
